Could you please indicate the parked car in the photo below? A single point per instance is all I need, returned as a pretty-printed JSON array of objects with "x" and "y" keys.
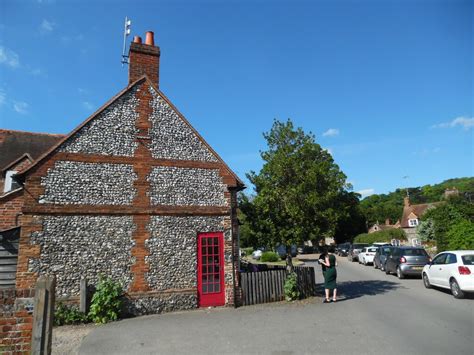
[
  {"x": 257, "y": 254},
  {"x": 366, "y": 256},
  {"x": 407, "y": 261},
  {"x": 343, "y": 249},
  {"x": 281, "y": 251},
  {"x": 305, "y": 249},
  {"x": 381, "y": 255},
  {"x": 452, "y": 270},
  {"x": 354, "y": 250}
]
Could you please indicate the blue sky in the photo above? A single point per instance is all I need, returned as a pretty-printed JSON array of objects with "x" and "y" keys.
[{"x": 386, "y": 86}]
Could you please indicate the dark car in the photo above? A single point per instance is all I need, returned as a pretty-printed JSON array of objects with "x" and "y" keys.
[
  {"x": 381, "y": 255},
  {"x": 343, "y": 249},
  {"x": 354, "y": 250},
  {"x": 281, "y": 251},
  {"x": 407, "y": 261}
]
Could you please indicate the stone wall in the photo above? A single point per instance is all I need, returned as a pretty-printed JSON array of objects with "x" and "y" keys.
[
  {"x": 112, "y": 132},
  {"x": 84, "y": 246},
  {"x": 186, "y": 187},
  {"x": 172, "y": 137},
  {"x": 70, "y": 182},
  {"x": 153, "y": 303},
  {"x": 173, "y": 249}
]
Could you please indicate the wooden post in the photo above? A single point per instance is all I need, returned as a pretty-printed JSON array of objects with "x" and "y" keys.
[
  {"x": 83, "y": 296},
  {"x": 43, "y": 315}
]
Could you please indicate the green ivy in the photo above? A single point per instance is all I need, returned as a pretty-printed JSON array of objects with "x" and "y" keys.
[
  {"x": 64, "y": 314},
  {"x": 461, "y": 235},
  {"x": 106, "y": 302},
  {"x": 291, "y": 287}
]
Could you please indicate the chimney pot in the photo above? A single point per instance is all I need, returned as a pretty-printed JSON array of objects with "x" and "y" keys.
[
  {"x": 137, "y": 39},
  {"x": 149, "y": 39}
]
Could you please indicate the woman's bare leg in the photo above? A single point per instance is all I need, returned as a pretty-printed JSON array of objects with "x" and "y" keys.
[{"x": 334, "y": 294}]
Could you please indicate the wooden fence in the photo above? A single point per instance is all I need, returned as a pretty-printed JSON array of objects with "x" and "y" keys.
[{"x": 267, "y": 286}]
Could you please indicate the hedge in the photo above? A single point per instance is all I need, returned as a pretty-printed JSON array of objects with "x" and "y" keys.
[
  {"x": 381, "y": 236},
  {"x": 269, "y": 256}
]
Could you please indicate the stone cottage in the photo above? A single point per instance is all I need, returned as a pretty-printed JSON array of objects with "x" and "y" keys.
[{"x": 136, "y": 194}]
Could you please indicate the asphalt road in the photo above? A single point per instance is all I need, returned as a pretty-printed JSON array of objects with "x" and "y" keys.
[{"x": 376, "y": 314}]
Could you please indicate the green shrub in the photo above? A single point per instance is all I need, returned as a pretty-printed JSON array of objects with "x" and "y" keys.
[
  {"x": 381, "y": 236},
  {"x": 106, "y": 302},
  {"x": 269, "y": 256},
  {"x": 291, "y": 287},
  {"x": 64, "y": 314},
  {"x": 247, "y": 251},
  {"x": 461, "y": 235}
]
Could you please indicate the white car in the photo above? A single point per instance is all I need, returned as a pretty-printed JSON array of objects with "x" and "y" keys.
[
  {"x": 366, "y": 256},
  {"x": 257, "y": 254},
  {"x": 453, "y": 270}
]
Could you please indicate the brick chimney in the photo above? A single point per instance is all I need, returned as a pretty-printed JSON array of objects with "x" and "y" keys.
[
  {"x": 144, "y": 59},
  {"x": 406, "y": 201}
]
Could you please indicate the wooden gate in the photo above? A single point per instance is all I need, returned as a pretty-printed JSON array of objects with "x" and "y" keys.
[{"x": 267, "y": 286}]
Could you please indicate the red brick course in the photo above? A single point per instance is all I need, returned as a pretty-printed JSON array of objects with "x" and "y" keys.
[{"x": 15, "y": 325}]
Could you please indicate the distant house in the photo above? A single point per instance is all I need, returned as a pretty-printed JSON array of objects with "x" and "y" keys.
[
  {"x": 377, "y": 227},
  {"x": 411, "y": 218},
  {"x": 18, "y": 150}
]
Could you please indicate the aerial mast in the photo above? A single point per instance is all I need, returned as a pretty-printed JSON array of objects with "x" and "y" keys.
[{"x": 126, "y": 33}]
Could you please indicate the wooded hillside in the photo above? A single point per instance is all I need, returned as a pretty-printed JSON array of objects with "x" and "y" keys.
[{"x": 379, "y": 207}]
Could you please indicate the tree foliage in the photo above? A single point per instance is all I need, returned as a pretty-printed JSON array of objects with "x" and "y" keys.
[
  {"x": 380, "y": 207},
  {"x": 461, "y": 235},
  {"x": 426, "y": 231},
  {"x": 447, "y": 215},
  {"x": 300, "y": 193}
]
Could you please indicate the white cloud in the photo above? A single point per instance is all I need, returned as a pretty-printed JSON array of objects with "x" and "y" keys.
[
  {"x": 464, "y": 122},
  {"x": 331, "y": 132},
  {"x": 9, "y": 58},
  {"x": 329, "y": 150},
  {"x": 20, "y": 107},
  {"x": 47, "y": 26},
  {"x": 366, "y": 192},
  {"x": 87, "y": 105}
]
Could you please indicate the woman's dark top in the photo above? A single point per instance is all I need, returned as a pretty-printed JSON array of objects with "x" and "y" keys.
[{"x": 330, "y": 275}]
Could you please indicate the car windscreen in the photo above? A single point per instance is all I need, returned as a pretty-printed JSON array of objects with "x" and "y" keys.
[
  {"x": 468, "y": 259},
  {"x": 372, "y": 250},
  {"x": 414, "y": 252},
  {"x": 386, "y": 251}
]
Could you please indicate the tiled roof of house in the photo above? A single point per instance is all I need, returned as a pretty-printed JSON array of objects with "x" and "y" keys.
[
  {"x": 15, "y": 144},
  {"x": 417, "y": 210}
]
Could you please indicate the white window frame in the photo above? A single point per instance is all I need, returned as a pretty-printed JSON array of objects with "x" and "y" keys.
[
  {"x": 413, "y": 222},
  {"x": 8, "y": 180}
]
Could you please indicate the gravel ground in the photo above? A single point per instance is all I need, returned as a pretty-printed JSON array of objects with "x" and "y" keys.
[{"x": 68, "y": 338}]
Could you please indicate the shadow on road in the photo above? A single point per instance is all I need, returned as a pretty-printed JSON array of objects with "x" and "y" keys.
[{"x": 354, "y": 289}]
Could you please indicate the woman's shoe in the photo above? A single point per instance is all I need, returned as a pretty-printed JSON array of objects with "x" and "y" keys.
[
  {"x": 327, "y": 300},
  {"x": 334, "y": 300}
]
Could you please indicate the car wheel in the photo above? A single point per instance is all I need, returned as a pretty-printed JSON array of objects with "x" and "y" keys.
[
  {"x": 400, "y": 273},
  {"x": 426, "y": 281},
  {"x": 375, "y": 265},
  {"x": 455, "y": 289},
  {"x": 386, "y": 270}
]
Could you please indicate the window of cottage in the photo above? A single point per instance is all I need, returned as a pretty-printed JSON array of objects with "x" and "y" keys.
[
  {"x": 413, "y": 222},
  {"x": 10, "y": 184}
]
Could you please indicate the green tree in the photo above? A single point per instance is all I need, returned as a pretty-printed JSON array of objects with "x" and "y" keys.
[
  {"x": 426, "y": 230},
  {"x": 461, "y": 235},
  {"x": 299, "y": 190},
  {"x": 445, "y": 216}
]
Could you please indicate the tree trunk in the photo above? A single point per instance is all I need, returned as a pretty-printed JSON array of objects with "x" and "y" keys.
[{"x": 289, "y": 260}]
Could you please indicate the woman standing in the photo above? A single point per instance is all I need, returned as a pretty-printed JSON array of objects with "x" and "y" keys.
[{"x": 330, "y": 276}]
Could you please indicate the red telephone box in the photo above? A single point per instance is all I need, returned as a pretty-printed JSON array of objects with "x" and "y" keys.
[{"x": 211, "y": 290}]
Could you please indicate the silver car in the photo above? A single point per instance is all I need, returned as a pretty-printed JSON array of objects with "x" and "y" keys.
[{"x": 407, "y": 261}]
